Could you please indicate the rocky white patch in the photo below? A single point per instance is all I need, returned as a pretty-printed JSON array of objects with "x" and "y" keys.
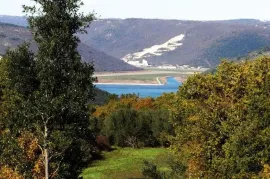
[{"x": 156, "y": 50}]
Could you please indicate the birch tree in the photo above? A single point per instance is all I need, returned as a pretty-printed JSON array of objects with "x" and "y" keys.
[{"x": 54, "y": 87}]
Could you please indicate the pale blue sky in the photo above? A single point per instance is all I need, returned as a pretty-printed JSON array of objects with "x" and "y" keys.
[{"x": 164, "y": 9}]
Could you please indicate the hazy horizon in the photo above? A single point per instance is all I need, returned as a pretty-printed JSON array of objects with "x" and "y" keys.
[
  {"x": 1, "y": 15},
  {"x": 208, "y": 10}
]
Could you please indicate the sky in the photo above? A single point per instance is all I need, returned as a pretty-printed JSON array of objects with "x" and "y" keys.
[{"x": 164, "y": 9}]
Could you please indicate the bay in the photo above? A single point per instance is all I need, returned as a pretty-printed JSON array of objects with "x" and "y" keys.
[{"x": 144, "y": 90}]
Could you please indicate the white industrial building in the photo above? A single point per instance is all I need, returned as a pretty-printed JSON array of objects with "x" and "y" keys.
[
  {"x": 167, "y": 67},
  {"x": 144, "y": 63}
]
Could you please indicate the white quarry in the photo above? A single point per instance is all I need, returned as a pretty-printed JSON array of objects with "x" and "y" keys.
[
  {"x": 144, "y": 63},
  {"x": 156, "y": 50}
]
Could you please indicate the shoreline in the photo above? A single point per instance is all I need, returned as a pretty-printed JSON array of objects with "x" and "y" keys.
[{"x": 134, "y": 84}]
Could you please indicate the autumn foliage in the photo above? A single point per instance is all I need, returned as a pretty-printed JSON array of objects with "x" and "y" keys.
[
  {"x": 222, "y": 123},
  {"x": 8, "y": 173},
  {"x": 133, "y": 121}
]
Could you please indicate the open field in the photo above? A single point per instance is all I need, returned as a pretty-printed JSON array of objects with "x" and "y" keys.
[
  {"x": 126, "y": 163},
  {"x": 147, "y": 76}
]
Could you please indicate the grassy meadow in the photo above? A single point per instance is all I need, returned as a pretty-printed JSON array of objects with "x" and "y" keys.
[{"x": 123, "y": 163}]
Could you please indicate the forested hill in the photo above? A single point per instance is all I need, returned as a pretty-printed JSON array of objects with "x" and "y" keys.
[
  {"x": 263, "y": 52},
  {"x": 179, "y": 41},
  {"x": 203, "y": 43},
  {"x": 12, "y": 35},
  {"x": 254, "y": 54}
]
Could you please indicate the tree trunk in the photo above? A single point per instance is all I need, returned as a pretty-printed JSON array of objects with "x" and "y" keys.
[{"x": 46, "y": 155}]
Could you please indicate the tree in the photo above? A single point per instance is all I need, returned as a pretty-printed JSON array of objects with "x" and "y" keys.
[
  {"x": 222, "y": 122},
  {"x": 130, "y": 121},
  {"x": 123, "y": 128},
  {"x": 15, "y": 156},
  {"x": 54, "y": 88}
]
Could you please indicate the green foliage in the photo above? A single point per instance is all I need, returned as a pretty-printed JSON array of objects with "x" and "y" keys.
[
  {"x": 14, "y": 156},
  {"x": 222, "y": 122},
  {"x": 135, "y": 122},
  {"x": 21, "y": 70},
  {"x": 150, "y": 171},
  {"x": 123, "y": 128},
  {"x": 159, "y": 126},
  {"x": 127, "y": 127},
  {"x": 44, "y": 97}
]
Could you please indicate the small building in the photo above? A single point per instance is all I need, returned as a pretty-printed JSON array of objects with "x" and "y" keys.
[
  {"x": 167, "y": 67},
  {"x": 144, "y": 63}
]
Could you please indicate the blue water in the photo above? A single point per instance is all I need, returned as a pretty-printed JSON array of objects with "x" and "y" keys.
[{"x": 142, "y": 90}]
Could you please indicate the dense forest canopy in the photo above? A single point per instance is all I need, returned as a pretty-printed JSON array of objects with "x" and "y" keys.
[{"x": 222, "y": 123}]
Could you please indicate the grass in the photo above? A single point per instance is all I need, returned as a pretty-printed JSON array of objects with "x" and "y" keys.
[
  {"x": 124, "y": 163},
  {"x": 134, "y": 77},
  {"x": 146, "y": 77}
]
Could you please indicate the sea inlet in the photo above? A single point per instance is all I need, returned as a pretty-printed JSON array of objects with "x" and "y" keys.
[{"x": 142, "y": 90}]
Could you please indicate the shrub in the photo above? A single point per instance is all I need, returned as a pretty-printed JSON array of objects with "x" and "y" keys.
[{"x": 150, "y": 171}]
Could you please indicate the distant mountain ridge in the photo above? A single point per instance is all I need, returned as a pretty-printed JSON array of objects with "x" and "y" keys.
[
  {"x": 16, "y": 20},
  {"x": 13, "y": 35},
  {"x": 204, "y": 43}
]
